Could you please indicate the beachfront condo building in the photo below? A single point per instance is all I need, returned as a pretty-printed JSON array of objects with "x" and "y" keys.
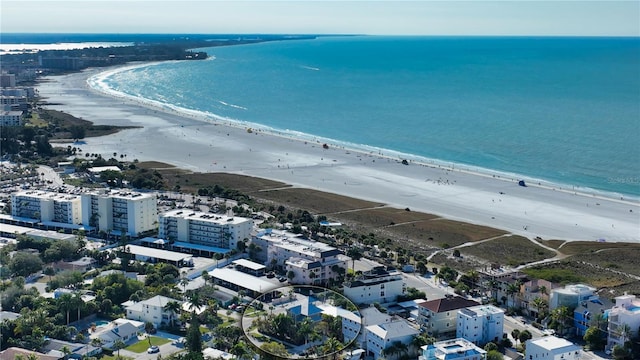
[
  {"x": 11, "y": 118},
  {"x": 47, "y": 207},
  {"x": 458, "y": 349},
  {"x": 480, "y": 324},
  {"x": 118, "y": 211},
  {"x": 211, "y": 230},
  {"x": 552, "y": 348},
  {"x": 438, "y": 317},
  {"x": 624, "y": 320},
  {"x": 305, "y": 261},
  {"x": 376, "y": 285}
]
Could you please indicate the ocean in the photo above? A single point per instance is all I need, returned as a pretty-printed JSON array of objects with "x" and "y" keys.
[{"x": 559, "y": 110}]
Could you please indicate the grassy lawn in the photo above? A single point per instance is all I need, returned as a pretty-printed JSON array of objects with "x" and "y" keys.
[
  {"x": 115, "y": 357},
  {"x": 142, "y": 345}
]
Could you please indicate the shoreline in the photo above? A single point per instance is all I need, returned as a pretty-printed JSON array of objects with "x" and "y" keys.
[
  {"x": 204, "y": 144},
  {"x": 96, "y": 87}
]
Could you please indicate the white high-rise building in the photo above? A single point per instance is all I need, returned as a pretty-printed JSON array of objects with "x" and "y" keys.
[
  {"x": 47, "y": 206},
  {"x": 202, "y": 228},
  {"x": 113, "y": 210},
  {"x": 480, "y": 324}
]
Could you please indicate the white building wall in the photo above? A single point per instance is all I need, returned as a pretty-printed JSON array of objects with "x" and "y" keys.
[
  {"x": 480, "y": 324},
  {"x": 552, "y": 348},
  {"x": 381, "y": 293}
]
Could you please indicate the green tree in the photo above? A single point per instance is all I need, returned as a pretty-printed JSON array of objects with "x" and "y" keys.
[
  {"x": 593, "y": 338},
  {"x": 524, "y": 336},
  {"x": 194, "y": 337},
  {"x": 494, "y": 355},
  {"x": 172, "y": 307},
  {"x": 24, "y": 264}
]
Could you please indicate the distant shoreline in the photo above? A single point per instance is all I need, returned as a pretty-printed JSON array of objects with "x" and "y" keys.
[{"x": 189, "y": 143}]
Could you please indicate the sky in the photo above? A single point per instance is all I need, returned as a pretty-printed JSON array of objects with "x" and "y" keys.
[{"x": 420, "y": 17}]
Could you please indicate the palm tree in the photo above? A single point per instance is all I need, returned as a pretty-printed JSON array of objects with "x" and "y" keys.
[
  {"x": 119, "y": 344},
  {"x": 623, "y": 331},
  {"x": 184, "y": 282},
  {"x": 543, "y": 290},
  {"x": 512, "y": 290},
  {"x": 173, "y": 307},
  {"x": 96, "y": 342},
  {"x": 65, "y": 302},
  {"x": 332, "y": 346},
  {"x": 196, "y": 301},
  {"x": 515, "y": 333},
  {"x": 539, "y": 304}
]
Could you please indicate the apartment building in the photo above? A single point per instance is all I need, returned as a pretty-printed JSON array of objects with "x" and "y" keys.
[
  {"x": 458, "y": 349},
  {"x": 439, "y": 317},
  {"x": 47, "y": 206},
  {"x": 480, "y": 324},
  {"x": 196, "y": 227},
  {"x": 11, "y": 118},
  {"x": 376, "y": 285},
  {"x": 118, "y": 210},
  {"x": 624, "y": 320},
  {"x": 306, "y": 262}
]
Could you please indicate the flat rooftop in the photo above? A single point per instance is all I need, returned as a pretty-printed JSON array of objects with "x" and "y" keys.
[
  {"x": 205, "y": 217},
  {"x": 157, "y": 253},
  {"x": 243, "y": 280},
  {"x": 249, "y": 264}
]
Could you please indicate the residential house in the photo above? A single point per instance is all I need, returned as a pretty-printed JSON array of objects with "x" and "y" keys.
[
  {"x": 152, "y": 310},
  {"x": 124, "y": 330},
  {"x": 552, "y": 348},
  {"x": 382, "y": 337},
  {"x": 458, "y": 349},
  {"x": 588, "y": 312},
  {"x": 439, "y": 317},
  {"x": 624, "y": 320},
  {"x": 351, "y": 321},
  {"x": 13, "y": 353},
  {"x": 379, "y": 285},
  {"x": 532, "y": 290},
  {"x": 77, "y": 350},
  {"x": 570, "y": 296},
  {"x": 368, "y": 316},
  {"x": 480, "y": 324}
]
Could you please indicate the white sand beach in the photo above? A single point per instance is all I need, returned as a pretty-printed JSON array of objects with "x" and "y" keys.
[{"x": 204, "y": 146}]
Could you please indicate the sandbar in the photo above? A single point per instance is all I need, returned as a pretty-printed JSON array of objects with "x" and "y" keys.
[{"x": 204, "y": 145}]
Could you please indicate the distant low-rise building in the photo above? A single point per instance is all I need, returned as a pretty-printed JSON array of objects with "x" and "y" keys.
[
  {"x": 585, "y": 314},
  {"x": 455, "y": 349},
  {"x": 552, "y": 348}
]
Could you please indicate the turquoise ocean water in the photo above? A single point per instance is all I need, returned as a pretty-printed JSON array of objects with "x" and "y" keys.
[{"x": 561, "y": 110}]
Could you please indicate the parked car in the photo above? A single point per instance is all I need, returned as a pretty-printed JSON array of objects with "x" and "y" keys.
[{"x": 153, "y": 349}]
